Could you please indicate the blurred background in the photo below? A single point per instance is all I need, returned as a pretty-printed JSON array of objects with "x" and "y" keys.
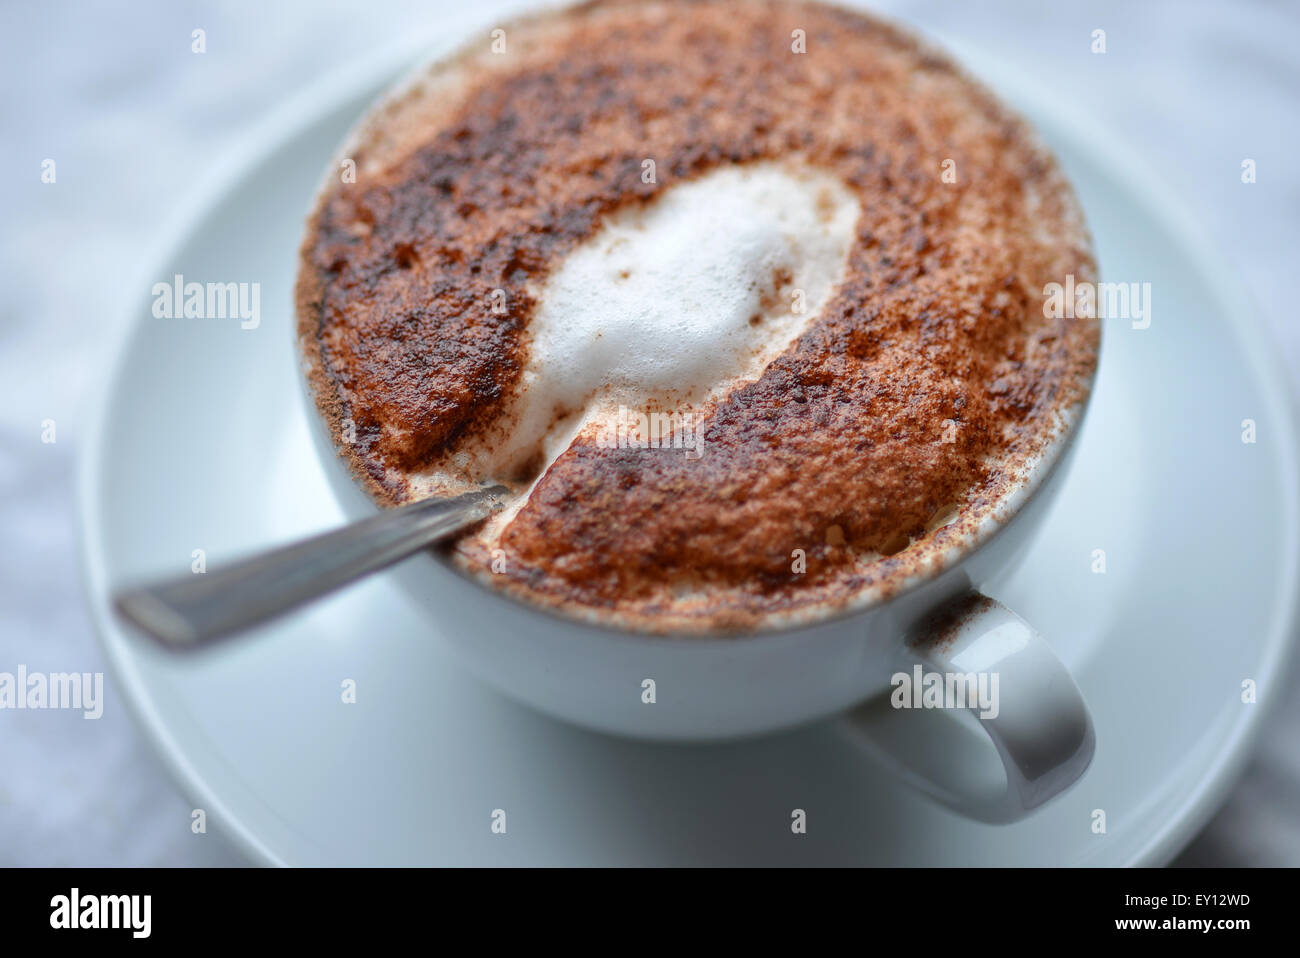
[{"x": 134, "y": 119}]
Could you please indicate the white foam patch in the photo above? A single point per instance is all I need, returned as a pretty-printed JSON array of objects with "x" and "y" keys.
[{"x": 678, "y": 301}]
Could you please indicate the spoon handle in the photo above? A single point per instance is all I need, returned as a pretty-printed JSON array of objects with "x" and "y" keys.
[{"x": 192, "y": 610}]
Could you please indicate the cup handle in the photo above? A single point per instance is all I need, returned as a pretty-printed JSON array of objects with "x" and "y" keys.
[{"x": 1041, "y": 727}]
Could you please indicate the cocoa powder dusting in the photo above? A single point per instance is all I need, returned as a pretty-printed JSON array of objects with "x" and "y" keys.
[{"x": 930, "y": 362}]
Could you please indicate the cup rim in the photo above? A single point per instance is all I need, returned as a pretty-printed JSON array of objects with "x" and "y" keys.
[{"x": 1055, "y": 438}]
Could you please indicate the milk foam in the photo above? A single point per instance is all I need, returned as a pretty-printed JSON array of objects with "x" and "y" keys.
[{"x": 677, "y": 302}]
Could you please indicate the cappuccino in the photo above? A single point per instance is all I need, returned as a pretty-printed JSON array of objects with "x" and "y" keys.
[{"x": 795, "y": 232}]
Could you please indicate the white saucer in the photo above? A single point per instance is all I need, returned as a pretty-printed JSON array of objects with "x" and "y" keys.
[{"x": 202, "y": 443}]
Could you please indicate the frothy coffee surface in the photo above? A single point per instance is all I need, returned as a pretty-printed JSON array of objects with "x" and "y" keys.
[
  {"x": 668, "y": 304},
  {"x": 664, "y": 213}
]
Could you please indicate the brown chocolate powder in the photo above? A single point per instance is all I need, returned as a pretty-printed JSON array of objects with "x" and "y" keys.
[{"x": 488, "y": 173}]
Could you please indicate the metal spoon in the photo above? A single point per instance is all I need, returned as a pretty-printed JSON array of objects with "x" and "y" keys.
[{"x": 193, "y": 610}]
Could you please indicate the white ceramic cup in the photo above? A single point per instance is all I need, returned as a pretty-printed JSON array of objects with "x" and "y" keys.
[{"x": 711, "y": 688}]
